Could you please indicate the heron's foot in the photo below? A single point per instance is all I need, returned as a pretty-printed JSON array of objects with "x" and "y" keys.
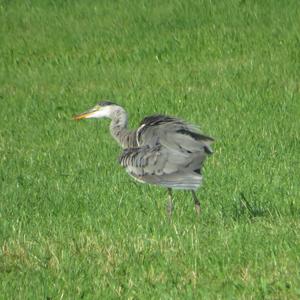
[
  {"x": 170, "y": 205},
  {"x": 197, "y": 203},
  {"x": 170, "y": 208}
]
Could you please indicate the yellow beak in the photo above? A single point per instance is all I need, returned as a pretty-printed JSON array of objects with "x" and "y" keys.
[{"x": 84, "y": 115}]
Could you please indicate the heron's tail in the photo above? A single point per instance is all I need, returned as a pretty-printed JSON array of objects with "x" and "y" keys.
[{"x": 178, "y": 180}]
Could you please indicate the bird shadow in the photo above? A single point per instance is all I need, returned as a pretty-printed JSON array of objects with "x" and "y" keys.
[{"x": 244, "y": 208}]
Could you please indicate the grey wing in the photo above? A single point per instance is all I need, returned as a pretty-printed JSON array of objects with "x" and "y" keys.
[
  {"x": 174, "y": 134},
  {"x": 159, "y": 165},
  {"x": 170, "y": 153},
  {"x": 155, "y": 160}
]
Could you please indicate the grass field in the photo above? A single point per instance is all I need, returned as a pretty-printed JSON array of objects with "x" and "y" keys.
[{"x": 74, "y": 225}]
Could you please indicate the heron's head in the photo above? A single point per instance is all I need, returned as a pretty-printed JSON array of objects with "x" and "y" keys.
[{"x": 103, "y": 109}]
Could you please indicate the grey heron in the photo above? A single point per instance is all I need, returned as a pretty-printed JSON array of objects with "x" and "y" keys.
[{"x": 164, "y": 150}]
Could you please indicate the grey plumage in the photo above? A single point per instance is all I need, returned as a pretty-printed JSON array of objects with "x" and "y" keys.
[
  {"x": 170, "y": 153},
  {"x": 164, "y": 150}
]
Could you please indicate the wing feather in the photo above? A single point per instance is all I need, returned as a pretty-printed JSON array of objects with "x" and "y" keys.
[{"x": 171, "y": 152}]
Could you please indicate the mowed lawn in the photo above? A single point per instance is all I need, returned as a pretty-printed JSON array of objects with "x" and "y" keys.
[{"x": 74, "y": 225}]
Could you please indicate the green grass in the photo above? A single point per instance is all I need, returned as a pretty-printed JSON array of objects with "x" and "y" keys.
[{"x": 74, "y": 225}]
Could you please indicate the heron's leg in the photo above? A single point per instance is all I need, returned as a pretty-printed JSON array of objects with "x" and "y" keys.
[
  {"x": 197, "y": 202},
  {"x": 170, "y": 205}
]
